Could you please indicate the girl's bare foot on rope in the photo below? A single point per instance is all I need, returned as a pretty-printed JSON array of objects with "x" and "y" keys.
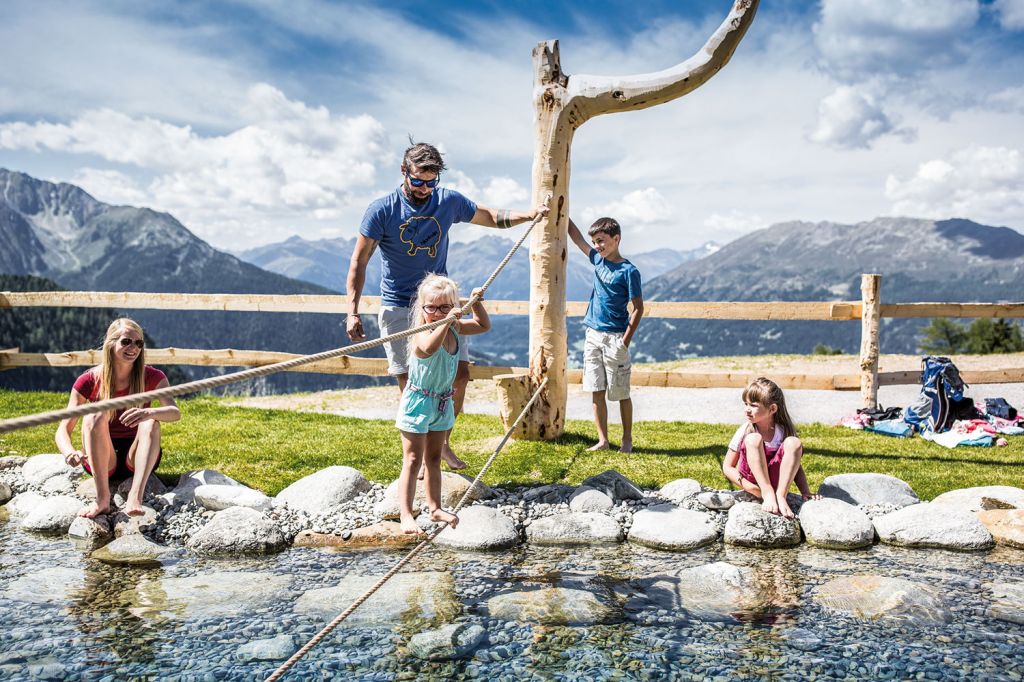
[
  {"x": 409, "y": 526},
  {"x": 94, "y": 510},
  {"x": 440, "y": 516}
]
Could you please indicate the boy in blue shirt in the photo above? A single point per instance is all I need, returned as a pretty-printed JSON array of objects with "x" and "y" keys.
[{"x": 610, "y": 326}]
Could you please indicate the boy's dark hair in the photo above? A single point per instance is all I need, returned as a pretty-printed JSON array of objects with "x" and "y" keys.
[
  {"x": 609, "y": 226},
  {"x": 424, "y": 157}
]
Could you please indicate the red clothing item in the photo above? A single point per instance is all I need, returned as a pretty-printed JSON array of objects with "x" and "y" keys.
[
  {"x": 772, "y": 453},
  {"x": 88, "y": 385}
]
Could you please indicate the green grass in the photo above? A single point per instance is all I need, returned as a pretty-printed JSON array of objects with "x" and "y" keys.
[{"x": 268, "y": 449}]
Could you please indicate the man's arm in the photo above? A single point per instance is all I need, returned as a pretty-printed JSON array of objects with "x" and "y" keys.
[
  {"x": 634, "y": 320},
  {"x": 503, "y": 218},
  {"x": 578, "y": 239},
  {"x": 354, "y": 284}
]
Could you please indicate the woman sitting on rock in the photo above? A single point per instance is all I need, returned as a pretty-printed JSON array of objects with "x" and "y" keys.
[{"x": 126, "y": 443}]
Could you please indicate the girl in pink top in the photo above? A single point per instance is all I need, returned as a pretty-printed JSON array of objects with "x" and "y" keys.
[
  {"x": 125, "y": 443},
  {"x": 764, "y": 455}
]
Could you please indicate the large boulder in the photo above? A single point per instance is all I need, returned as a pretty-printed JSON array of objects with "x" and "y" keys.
[
  {"x": 835, "y": 524},
  {"x": 871, "y": 597},
  {"x": 218, "y": 497},
  {"x": 44, "y": 585},
  {"x": 555, "y": 606},
  {"x": 324, "y": 490},
  {"x": 590, "y": 500},
  {"x": 453, "y": 487},
  {"x": 22, "y": 504},
  {"x": 930, "y": 525},
  {"x": 680, "y": 489},
  {"x": 1007, "y": 602},
  {"x": 136, "y": 523},
  {"x": 717, "y": 500},
  {"x": 38, "y": 469},
  {"x": 973, "y": 499},
  {"x": 61, "y": 484},
  {"x": 750, "y": 526},
  {"x": 668, "y": 527},
  {"x": 710, "y": 592},
  {"x": 184, "y": 492},
  {"x": 447, "y": 643},
  {"x": 427, "y": 599},
  {"x": 614, "y": 485},
  {"x": 1005, "y": 525},
  {"x": 90, "y": 531},
  {"x": 480, "y": 528},
  {"x": 12, "y": 462},
  {"x": 133, "y": 549},
  {"x": 869, "y": 489},
  {"x": 574, "y": 528},
  {"x": 238, "y": 530},
  {"x": 383, "y": 534},
  {"x": 53, "y": 515},
  {"x": 217, "y": 594},
  {"x": 154, "y": 487}
]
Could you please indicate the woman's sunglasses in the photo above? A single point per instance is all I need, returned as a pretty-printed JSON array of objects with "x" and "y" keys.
[
  {"x": 125, "y": 342},
  {"x": 443, "y": 309},
  {"x": 416, "y": 182}
]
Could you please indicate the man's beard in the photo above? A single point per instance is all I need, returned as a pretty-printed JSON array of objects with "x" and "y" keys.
[{"x": 413, "y": 199}]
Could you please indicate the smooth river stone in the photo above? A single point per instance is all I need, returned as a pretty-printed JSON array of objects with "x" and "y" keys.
[
  {"x": 39, "y": 468},
  {"x": 131, "y": 549},
  {"x": 574, "y": 528},
  {"x": 383, "y": 534},
  {"x": 22, "y": 504},
  {"x": 971, "y": 499},
  {"x": 554, "y": 606},
  {"x": 238, "y": 530},
  {"x": 218, "y": 497},
  {"x": 53, "y": 515},
  {"x": 427, "y": 599},
  {"x": 1007, "y": 602},
  {"x": 447, "y": 643},
  {"x": 480, "y": 528},
  {"x": 219, "y": 593},
  {"x": 91, "y": 531},
  {"x": 274, "y": 649},
  {"x": 934, "y": 526},
  {"x": 869, "y": 489},
  {"x": 453, "y": 487},
  {"x": 590, "y": 500},
  {"x": 871, "y": 597},
  {"x": 324, "y": 490},
  {"x": 717, "y": 500},
  {"x": 614, "y": 485},
  {"x": 749, "y": 526},
  {"x": 712, "y": 592},
  {"x": 184, "y": 492},
  {"x": 45, "y": 585},
  {"x": 835, "y": 524},
  {"x": 680, "y": 489},
  {"x": 668, "y": 527},
  {"x": 1006, "y": 526}
]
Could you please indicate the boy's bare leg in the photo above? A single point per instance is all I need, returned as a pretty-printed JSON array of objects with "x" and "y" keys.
[
  {"x": 600, "y": 421},
  {"x": 626, "y": 413},
  {"x": 413, "y": 446},
  {"x": 758, "y": 463},
  {"x": 143, "y": 458},
  {"x": 792, "y": 453},
  {"x": 432, "y": 465},
  {"x": 99, "y": 451}
]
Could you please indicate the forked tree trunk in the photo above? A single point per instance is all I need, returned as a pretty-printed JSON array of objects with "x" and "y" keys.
[{"x": 562, "y": 104}]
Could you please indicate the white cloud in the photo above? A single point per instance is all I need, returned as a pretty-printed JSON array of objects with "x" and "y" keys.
[
  {"x": 981, "y": 183},
  {"x": 110, "y": 186},
  {"x": 851, "y": 119},
  {"x": 732, "y": 223},
  {"x": 635, "y": 211},
  {"x": 500, "y": 192},
  {"x": 1010, "y": 13}
]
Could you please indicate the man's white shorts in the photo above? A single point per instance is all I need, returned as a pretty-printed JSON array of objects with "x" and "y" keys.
[
  {"x": 606, "y": 365},
  {"x": 392, "y": 320}
]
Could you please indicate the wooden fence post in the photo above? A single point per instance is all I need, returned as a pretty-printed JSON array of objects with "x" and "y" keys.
[{"x": 871, "y": 309}]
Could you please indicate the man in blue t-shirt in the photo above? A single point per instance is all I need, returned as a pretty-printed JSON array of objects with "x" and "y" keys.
[
  {"x": 610, "y": 326},
  {"x": 411, "y": 227}
]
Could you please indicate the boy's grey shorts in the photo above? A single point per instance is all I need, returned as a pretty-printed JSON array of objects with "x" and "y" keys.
[
  {"x": 395, "y": 319},
  {"x": 606, "y": 365}
]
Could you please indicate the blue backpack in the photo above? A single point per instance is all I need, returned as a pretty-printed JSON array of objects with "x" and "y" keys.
[{"x": 941, "y": 390}]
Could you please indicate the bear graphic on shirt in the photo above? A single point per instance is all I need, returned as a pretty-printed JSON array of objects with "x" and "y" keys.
[{"x": 421, "y": 233}]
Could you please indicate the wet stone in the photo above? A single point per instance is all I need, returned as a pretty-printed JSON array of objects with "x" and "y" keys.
[
  {"x": 934, "y": 526},
  {"x": 714, "y": 592},
  {"x": 45, "y": 585},
  {"x": 274, "y": 649},
  {"x": 383, "y": 534},
  {"x": 835, "y": 524},
  {"x": 217, "y": 593},
  {"x": 871, "y": 597},
  {"x": 1005, "y": 525},
  {"x": 131, "y": 549},
  {"x": 451, "y": 642},
  {"x": 1007, "y": 602},
  {"x": 750, "y": 526},
  {"x": 554, "y": 606},
  {"x": 93, "y": 531},
  {"x": 426, "y": 598}
]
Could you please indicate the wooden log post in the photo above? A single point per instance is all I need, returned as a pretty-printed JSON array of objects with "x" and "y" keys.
[
  {"x": 871, "y": 309},
  {"x": 562, "y": 104}
]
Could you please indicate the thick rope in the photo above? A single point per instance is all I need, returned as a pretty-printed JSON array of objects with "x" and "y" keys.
[
  {"x": 408, "y": 557},
  {"x": 212, "y": 382}
]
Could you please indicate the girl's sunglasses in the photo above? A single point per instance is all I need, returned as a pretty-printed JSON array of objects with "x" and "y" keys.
[
  {"x": 125, "y": 342},
  {"x": 416, "y": 182},
  {"x": 443, "y": 309}
]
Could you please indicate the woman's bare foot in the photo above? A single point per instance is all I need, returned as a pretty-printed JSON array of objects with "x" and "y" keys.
[
  {"x": 599, "y": 445},
  {"x": 133, "y": 508},
  {"x": 93, "y": 510},
  {"x": 441, "y": 516},
  {"x": 627, "y": 445},
  {"x": 409, "y": 526},
  {"x": 451, "y": 459},
  {"x": 784, "y": 509},
  {"x": 770, "y": 504}
]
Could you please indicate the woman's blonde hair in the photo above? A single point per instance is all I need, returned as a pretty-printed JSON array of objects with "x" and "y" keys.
[
  {"x": 431, "y": 286},
  {"x": 136, "y": 381},
  {"x": 764, "y": 391}
]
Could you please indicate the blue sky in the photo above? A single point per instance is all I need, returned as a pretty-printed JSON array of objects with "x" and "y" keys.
[{"x": 257, "y": 119}]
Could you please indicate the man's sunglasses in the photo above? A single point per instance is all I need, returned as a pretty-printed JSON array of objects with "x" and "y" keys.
[
  {"x": 125, "y": 342},
  {"x": 443, "y": 309},
  {"x": 417, "y": 182}
]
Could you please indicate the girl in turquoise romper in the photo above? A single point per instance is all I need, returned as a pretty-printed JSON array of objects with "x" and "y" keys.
[{"x": 426, "y": 412}]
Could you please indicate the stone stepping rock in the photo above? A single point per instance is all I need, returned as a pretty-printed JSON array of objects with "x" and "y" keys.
[
  {"x": 869, "y": 489},
  {"x": 553, "y": 493},
  {"x": 59, "y": 485},
  {"x": 91, "y": 531},
  {"x": 124, "y": 524},
  {"x": 428, "y": 597},
  {"x": 12, "y": 462},
  {"x": 184, "y": 492},
  {"x": 870, "y": 597},
  {"x": 453, "y": 487},
  {"x": 554, "y": 606},
  {"x": 53, "y": 515},
  {"x": 448, "y": 643},
  {"x": 679, "y": 489},
  {"x": 1007, "y": 602},
  {"x": 590, "y": 500},
  {"x": 22, "y": 504},
  {"x": 666, "y": 526},
  {"x": 972, "y": 499},
  {"x": 749, "y": 526},
  {"x": 717, "y": 500},
  {"x": 836, "y": 524},
  {"x": 274, "y": 649},
  {"x": 219, "y": 497},
  {"x": 238, "y": 530},
  {"x": 480, "y": 528},
  {"x": 929, "y": 525},
  {"x": 39, "y": 468},
  {"x": 133, "y": 549},
  {"x": 214, "y": 594},
  {"x": 324, "y": 490},
  {"x": 6, "y": 494},
  {"x": 154, "y": 488},
  {"x": 45, "y": 585},
  {"x": 716, "y": 592},
  {"x": 1005, "y": 525},
  {"x": 574, "y": 528},
  {"x": 615, "y": 485},
  {"x": 383, "y": 534}
]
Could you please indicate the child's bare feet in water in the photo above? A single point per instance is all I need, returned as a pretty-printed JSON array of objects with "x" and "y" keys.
[
  {"x": 409, "y": 526},
  {"x": 599, "y": 445},
  {"x": 627, "y": 445},
  {"x": 440, "y": 516},
  {"x": 94, "y": 510}
]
